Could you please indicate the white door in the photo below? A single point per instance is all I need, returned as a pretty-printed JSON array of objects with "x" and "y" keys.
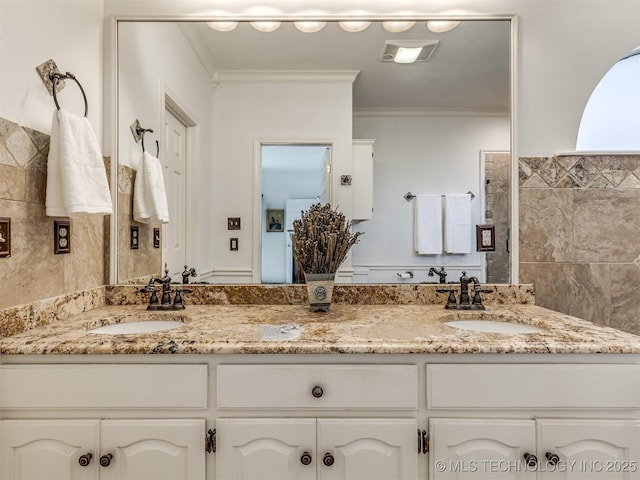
[
  {"x": 175, "y": 168},
  {"x": 481, "y": 449},
  {"x": 49, "y": 449},
  {"x": 589, "y": 449},
  {"x": 153, "y": 449},
  {"x": 266, "y": 449},
  {"x": 367, "y": 449}
]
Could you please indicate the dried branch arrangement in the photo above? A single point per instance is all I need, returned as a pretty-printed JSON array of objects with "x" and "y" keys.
[{"x": 322, "y": 238}]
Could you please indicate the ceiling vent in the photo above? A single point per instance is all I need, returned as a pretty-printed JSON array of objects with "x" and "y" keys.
[{"x": 417, "y": 50}]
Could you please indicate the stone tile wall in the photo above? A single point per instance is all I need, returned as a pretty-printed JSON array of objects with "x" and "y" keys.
[
  {"x": 497, "y": 179},
  {"x": 33, "y": 272},
  {"x": 580, "y": 235},
  {"x": 134, "y": 266}
]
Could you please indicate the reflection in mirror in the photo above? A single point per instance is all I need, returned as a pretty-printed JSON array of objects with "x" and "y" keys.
[{"x": 215, "y": 99}]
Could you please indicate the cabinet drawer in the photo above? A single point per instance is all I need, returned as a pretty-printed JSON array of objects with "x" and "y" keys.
[
  {"x": 340, "y": 386},
  {"x": 491, "y": 386},
  {"x": 103, "y": 386}
]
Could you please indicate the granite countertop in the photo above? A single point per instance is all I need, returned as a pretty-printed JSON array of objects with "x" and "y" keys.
[{"x": 293, "y": 329}]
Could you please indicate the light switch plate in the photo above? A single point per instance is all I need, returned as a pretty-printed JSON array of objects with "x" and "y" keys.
[
  {"x": 233, "y": 244},
  {"x": 156, "y": 237},
  {"x": 61, "y": 237},
  {"x": 5, "y": 237}
]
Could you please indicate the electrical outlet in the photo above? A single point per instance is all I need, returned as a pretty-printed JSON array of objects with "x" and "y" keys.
[
  {"x": 5, "y": 237},
  {"x": 233, "y": 223},
  {"x": 135, "y": 237},
  {"x": 61, "y": 236}
]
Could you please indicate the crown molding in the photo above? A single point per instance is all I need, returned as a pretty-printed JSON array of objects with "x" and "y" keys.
[
  {"x": 282, "y": 76},
  {"x": 429, "y": 112}
]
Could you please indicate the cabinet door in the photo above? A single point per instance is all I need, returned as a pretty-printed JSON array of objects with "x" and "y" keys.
[
  {"x": 590, "y": 449},
  {"x": 266, "y": 449},
  {"x": 362, "y": 180},
  {"x": 48, "y": 449},
  {"x": 368, "y": 449},
  {"x": 153, "y": 449},
  {"x": 468, "y": 448}
]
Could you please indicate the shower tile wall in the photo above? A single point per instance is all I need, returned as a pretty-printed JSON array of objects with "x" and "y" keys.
[
  {"x": 134, "y": 266},
  {"x": 33, "y": 271},
  {"x": 579, "y": 235}
]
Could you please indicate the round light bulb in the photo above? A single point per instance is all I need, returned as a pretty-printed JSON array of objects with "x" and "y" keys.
[
  {"x": 397, "y": 26},
  {"x": 310, "y": 26},
  {"x": 222, "y": 26},
  {"x": 441, "y": 26},
  {"x": 266, "y": 26},
  {"x": 354, "y": 25}
]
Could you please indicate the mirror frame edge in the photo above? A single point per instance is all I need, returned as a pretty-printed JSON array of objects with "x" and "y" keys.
[{"x": 110, "y": 103}]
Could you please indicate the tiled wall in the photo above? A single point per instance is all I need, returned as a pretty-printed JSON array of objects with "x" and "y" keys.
[
  {"x": 33, "y": 271},
  {"x": 580, "y": 236},
  {"x": 134, "y": 265},
  {"x": 497, "y": 179}
]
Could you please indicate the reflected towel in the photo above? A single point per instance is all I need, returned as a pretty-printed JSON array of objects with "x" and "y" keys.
[
  {"x": 427, "y": 227},
  {"x": 76, "y": 176},
  {"x": 149, "y": 194},
  {"x": 457, "y": 223}
]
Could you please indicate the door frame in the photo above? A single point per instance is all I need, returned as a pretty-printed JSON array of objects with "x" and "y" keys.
[
  {"x": 171, "y": 102},
  {"x": 258, "y": 143}
]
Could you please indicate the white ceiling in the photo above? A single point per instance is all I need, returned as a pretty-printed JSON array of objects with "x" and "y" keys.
[{"x": 468, "y": 70}]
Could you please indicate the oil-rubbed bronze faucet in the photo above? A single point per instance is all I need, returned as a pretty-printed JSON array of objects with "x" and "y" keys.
[
  {"x": 165, "y": 302},
  {"x": 186, "y": 273},
  {"x": 465, "y": 303},
  {"x": 441, "y": 273}
]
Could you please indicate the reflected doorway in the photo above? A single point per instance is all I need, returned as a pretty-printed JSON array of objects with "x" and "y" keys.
[{"x": 294, "y": 177}]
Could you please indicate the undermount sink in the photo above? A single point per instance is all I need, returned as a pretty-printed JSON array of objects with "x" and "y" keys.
[
  {"x": 493, "y": 326},
  {"x": 128, "y": 324}
]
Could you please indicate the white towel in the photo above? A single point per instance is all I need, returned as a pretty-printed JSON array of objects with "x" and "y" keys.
[
  {"x": 76, "y": 176},
  {"x": 149, "y": 195},
  {"x": 457, "y": 223},
  {"x": 428, "y": 225}
]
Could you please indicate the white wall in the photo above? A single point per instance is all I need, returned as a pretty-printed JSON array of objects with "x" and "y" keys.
[
  {"x": 154, "y": 59},
  {"x": 421, "y": 154},
  {"x": 70, "y": 32},
  {"x": 564, "y": 47},
  {"x": 247, "y": 113}
]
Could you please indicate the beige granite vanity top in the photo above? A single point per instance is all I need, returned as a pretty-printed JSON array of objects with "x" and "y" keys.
[{"x": 293, "y": 329}]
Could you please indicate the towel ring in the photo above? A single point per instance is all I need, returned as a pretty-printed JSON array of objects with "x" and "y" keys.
[{"x": 56, "y": 77}]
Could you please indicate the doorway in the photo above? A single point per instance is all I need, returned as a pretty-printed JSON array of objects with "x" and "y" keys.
[{"x": 294, "y": 177}]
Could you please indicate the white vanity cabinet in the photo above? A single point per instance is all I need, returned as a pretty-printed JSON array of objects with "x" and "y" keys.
[
  {"x": 314, "y": 444},
  {"x": 102, "y": 449},
  {"x": 362, "y": 180},
  {"x": 103, "y": 421}
]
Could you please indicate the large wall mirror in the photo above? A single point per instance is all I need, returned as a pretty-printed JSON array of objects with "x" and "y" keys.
[{"x": 251, "y": 126}]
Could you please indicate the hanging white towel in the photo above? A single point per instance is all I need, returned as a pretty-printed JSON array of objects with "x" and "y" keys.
[
  {"x": 427, "y": 227},
  {"x": 149, "y": 195},
  {"x": 76, "y": 176},
  {"x": 457, "y": 223}
]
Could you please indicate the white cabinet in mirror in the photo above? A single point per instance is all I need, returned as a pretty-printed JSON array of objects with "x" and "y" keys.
[{"x": 231, "y": 92}]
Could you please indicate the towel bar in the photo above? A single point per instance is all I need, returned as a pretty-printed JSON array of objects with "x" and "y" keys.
[{"x": 410, "y": 196}]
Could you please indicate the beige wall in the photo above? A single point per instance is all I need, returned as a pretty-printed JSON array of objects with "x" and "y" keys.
[
  {"x": 579, "y": 242},
  {"x": 33, "y": 271}
]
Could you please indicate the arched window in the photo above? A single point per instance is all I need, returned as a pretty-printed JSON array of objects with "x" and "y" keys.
[{"x": 611, "y": 119}]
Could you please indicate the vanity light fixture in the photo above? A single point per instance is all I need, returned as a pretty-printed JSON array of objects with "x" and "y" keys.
[
  {"x": 397, "y": 26},
  {"x": 310, "y": 26},
  {"x": 441, "y": 26},
  {"x": 407, "y": 51},
  {"x": 354, "y": 26},
  {"x": 223, "y": 26},
  {"x": 266, "y": 26}
]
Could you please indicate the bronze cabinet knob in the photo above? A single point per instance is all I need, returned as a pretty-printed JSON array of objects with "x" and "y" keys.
[
  {"x": 305, "y": 459},
  {"x": 552, "y": 458},
  {"x": 85, "y": 459},
  {"x": 328, "y": 459},
  {"x": 530, "y": 459},
  {"x": 105, "y": 460},
  {"x": 317, "y": 391}
]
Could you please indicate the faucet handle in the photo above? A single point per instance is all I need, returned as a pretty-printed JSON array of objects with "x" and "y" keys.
[{"x": 451, "y": 301}]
